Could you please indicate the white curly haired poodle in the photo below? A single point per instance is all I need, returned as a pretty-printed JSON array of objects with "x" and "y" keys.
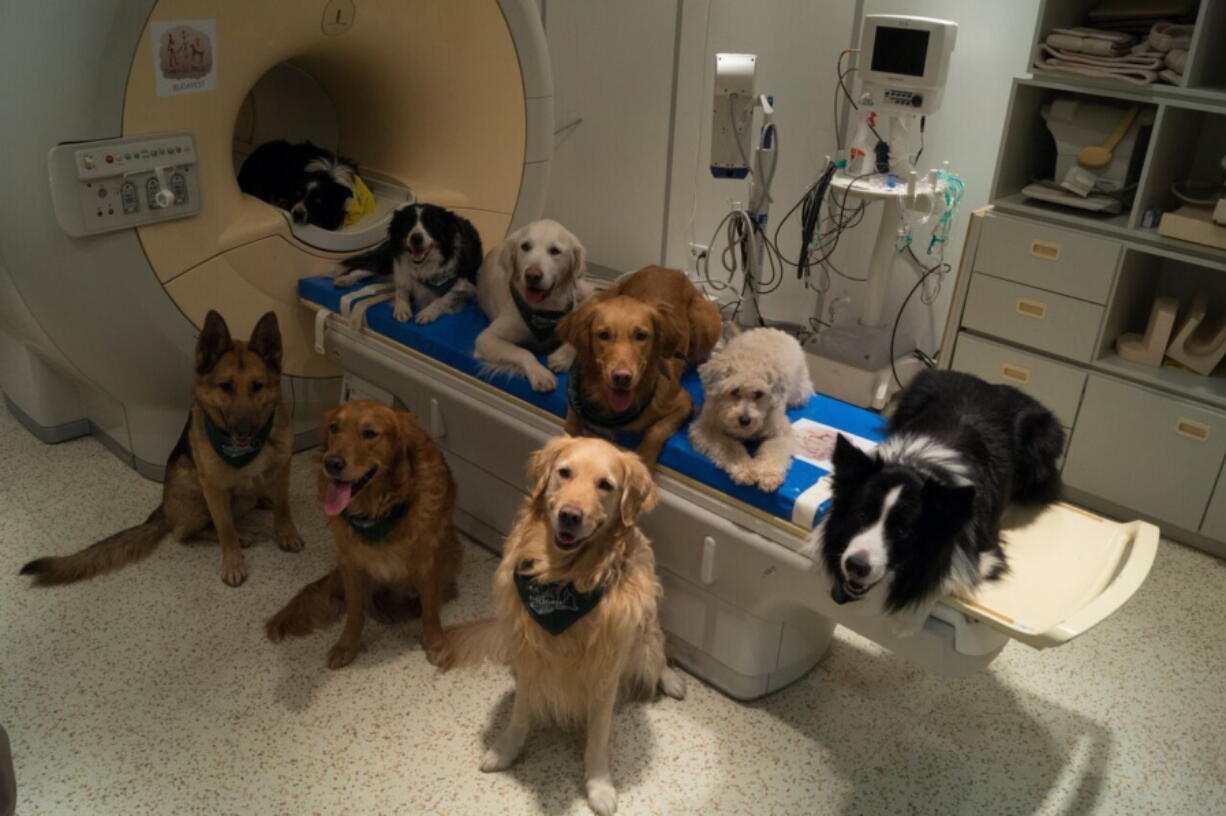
[{"x": 747, "y": 387}]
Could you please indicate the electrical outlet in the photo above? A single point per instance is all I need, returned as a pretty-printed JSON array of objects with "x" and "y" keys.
[{"x": 698, "y": 250}]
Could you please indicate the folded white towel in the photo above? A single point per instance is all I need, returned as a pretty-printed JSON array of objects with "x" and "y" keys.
[
  {"x": 1139, "y": 69},
  {"x": 1167, "y": 36},
  {"x": 1177, "y": 59},
  {"x": 1091, "y": 41}
]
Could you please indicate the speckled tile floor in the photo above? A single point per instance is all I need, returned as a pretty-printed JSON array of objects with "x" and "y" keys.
[{"x": 153, "y": 691}]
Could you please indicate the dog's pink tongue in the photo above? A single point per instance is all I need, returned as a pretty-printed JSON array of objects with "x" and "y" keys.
[
  {"x": 620, "y": 400},
  {"x": 336, "y": 497},
  {"x": 534, "y": 295}
]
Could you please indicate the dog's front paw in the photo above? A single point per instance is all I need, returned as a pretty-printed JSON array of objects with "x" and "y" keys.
[
  {"x": 275, "y": 628},
  {"x": 402, "y": 312},
  {"x": 349, "y": 278},
  {"x": 290, "y": 541},
  {"x": 672, "y": 683},
  {"x": 429, "y": 314},
  {"x": 342, "y": 654},
  {"x": 542, "y": 379},
  {"x": 743, "y": 473},
  {"x": 495, "y": 760},
  {"x": 602, "y": 797},
  {"x": 769, "y": 478},
  {"x": 562, "y": 359},
  {"x": 436, "y": 650},
  {"x": 233, "y": 570}
]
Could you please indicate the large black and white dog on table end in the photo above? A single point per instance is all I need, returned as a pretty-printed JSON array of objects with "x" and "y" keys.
[{"x": 920, "y": 517}]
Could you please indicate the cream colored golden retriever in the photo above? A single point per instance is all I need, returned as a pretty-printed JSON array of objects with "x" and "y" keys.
[{"x": 576, "y": 597}]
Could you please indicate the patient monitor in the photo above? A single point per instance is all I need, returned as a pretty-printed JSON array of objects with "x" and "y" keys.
[{"x": 904, "y": 61}]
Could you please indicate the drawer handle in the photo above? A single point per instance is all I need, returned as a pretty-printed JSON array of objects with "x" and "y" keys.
[
  {"x": 1017, "y": 374},
  {"x": 1198, "y": 431},
  {"x": 1045, "y": 250},
  {"x": 1031, "y": 308}
]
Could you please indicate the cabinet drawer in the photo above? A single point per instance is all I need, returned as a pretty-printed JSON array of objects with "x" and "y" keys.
[
  {"x": 1031, "y": 317},
  {"x": 1214, "y": 525},
  {"x": 1053, "y": 259},
  {"x": 1057, "y": 385},
  {"x": 1145, "y": 451}
]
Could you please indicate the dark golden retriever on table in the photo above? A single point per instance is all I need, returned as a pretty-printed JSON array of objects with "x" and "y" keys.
[
  {"x": 576, "y": 600},
  {"x": 389, "y": 497},
  {"x": 632, "y": 342},
  {"x": 234, "y": 452}
]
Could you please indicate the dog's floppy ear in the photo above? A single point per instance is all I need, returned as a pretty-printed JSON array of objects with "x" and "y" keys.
[
  {"x": 576, "y": 328},
  {"x": 851, "y": 465},
  {"x": 213, "y": 342},
  {"x": 639, "y": 492},
  {"x": 578, "y": 259},
  {"x": 664, "y": 322},
  {"x": 325, "y": 426},
  {"x": 713, "y": 373},
  {"x": 510, "y": 250},
  {"x": 540, "y": 465},
  {"x": 408, "y": 437},
  {"x": 266, "y": 340}
]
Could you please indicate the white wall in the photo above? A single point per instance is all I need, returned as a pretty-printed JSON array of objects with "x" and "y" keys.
[
  {"x": 612, "y": 68},
  {"x": 618, "y": 185}
]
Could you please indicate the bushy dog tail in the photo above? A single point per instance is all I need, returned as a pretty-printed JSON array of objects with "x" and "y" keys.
[
  {"x": 378, "y": 261},
  {"x": 473, "y": 643},
  {"x": 109, "y": 554},
  {"x": 317, "y": 605}
]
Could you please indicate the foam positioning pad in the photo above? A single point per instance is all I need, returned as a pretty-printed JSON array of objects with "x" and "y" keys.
[{"x": 450, "y": 340}]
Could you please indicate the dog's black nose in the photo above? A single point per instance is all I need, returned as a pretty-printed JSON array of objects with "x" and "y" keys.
[
  {"x": 857, "y": 566},
  {"x": 415, "y": 240},
  {"x": 334, "y": 465},
  {"x": 570, "y": 518},
  {"x": 743, "y": 420},
  {"x": 533, "y": 277},
  {"x": 621, "y": 379},
  {"x": 242, "y": 428}
]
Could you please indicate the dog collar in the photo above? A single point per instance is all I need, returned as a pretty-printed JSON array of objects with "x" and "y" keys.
[
  {"x": 443, "y": 285},
  {"x": 374, "y": 529},
  {"x": 555, "y": 607},
  {"x": 542, "y": 323},
  {"x": 234, "y": 455},
  {"x": 600, "y": 419}
]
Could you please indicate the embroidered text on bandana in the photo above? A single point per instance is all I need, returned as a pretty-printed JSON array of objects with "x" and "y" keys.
[
  {"x": 374, "y": 529},
  {"x": 236, "y": 456},
  {"x": 556, "y": 607},
  {"x": 542, "y": 324}
]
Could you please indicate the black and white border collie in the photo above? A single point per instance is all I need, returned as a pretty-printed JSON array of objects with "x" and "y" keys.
[
  {"x": 920, "y": 517},
  {"x": 312, "y": 184},
  {"x": 433, "y": 256}
]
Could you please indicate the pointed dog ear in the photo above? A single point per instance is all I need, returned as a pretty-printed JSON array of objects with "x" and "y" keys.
[
  {"x": 213, "y": 342},
  {"x": 639, "y": 493},
  {"x": 266, "y": 341},
  {"x": 851, "y": 465},
  {"x": 540, "y": 465}
]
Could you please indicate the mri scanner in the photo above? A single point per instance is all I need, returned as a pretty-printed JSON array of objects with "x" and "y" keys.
[
  {"x": 449, "y": 102},
  {"x": 121, "y": 224}
]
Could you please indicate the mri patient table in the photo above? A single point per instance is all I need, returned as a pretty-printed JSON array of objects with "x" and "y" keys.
[{"x": 743, "y": 609}]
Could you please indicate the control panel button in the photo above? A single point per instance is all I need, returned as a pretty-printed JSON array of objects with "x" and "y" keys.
[
  {"x": 87, "y": 161},
  {"x": 127, "y": 195}
]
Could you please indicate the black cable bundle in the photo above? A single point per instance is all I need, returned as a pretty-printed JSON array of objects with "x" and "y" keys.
[{"x": 810, "y": 217}]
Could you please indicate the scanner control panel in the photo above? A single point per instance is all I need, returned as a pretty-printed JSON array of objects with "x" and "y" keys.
[{"x": 113, "y": 184}]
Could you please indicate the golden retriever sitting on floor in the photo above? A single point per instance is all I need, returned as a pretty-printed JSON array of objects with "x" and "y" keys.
[
  {"x": 576, "y": 596},
  {"x": 390, "y": 499}
]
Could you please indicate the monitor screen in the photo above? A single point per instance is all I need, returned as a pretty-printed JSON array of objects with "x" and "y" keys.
[{"x": 900, "y": 51}]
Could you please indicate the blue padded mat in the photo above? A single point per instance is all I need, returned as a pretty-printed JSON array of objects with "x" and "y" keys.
[{"x": 450, "y": 341}]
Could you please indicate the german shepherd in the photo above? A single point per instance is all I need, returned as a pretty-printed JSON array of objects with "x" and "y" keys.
[{"x": 234, "y": 451}]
